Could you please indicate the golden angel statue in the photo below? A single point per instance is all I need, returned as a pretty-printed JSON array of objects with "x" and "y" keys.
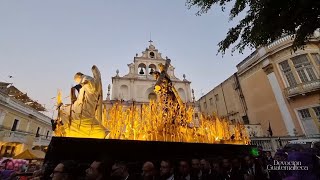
[{"x": 83, "y": 116}]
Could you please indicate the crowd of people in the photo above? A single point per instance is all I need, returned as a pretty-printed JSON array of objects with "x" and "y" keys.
[
  {"x": 244, "y": 167},
  {"x": 12, "y": 171}
]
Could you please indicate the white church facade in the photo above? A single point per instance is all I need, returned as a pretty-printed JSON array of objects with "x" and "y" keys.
[{"x": 137, "y": 86}]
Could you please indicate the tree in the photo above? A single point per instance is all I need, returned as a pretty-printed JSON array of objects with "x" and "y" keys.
[{"x": 266, "y": 21}]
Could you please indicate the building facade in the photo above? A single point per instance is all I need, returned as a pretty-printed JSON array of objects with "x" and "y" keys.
[
  {"x": 137, "y": 86},
  {"x": 226, "y": 101},
  {"x": 281, "y": 87},
  {"x": 22, "y": 126},
  {"x": 278, "y": 89}
]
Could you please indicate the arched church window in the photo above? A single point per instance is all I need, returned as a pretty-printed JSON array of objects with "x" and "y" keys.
[
  {"x": 152, "y": 96},
  {"x": 142, "y": 69},
  {"x": 151, "y": 55},
  {"x": 152, "y": 68},
  {"x": 124, "y": 92},
  {"x": 182, "y": 94}
]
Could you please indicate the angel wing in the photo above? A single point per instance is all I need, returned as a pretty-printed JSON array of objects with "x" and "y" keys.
[{"x": 98, "y": 86}]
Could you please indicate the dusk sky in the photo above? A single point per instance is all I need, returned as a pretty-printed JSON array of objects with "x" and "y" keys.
[{"x": 44, "y": 43}]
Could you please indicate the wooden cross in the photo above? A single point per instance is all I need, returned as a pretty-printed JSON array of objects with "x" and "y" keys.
[{"x": 163, "y": 74}]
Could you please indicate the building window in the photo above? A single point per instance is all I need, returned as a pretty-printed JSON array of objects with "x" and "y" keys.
[
  {"x": 37, "y": 134},
  {"x": 308, "y": 122},
  {"x": 245, "y": 119},
  {"x": 151, "y": 55},
  {"x": 316, "y": 57},
  {"x": 47, "y": 134},
  {"x": 216, "y": 97},
  {"x": 304, "y": 113},
  {"x": 15, "y": 125},
  {"x": 304, "y": 68},
  {"x": 211, "y": 101},
  {"x": 205, "y": 104},
  {"x": 288, "y": 73},
  {"x": 317, "y": 111},
  {"x": 152, "y": 68},
  {"x": 142, "y": 67}
]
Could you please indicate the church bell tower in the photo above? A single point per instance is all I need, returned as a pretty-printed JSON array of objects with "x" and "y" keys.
[{"x": 137, "y": 85}]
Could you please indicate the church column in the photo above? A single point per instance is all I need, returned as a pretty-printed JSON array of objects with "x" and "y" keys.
[
  {"x": 147, "y": 70},
  {"x": 115, "y": 88},
  {"x": 188, "y": 93},
  {"x": 113, "y": 96},
  {"x": 287, "y": 119},
  {"x": 132, "y": 97}
]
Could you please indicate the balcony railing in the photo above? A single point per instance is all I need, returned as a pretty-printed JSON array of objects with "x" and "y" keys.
[
  {"x": 313, "y": 135},
  {"x": 271, "y": 144},
  {"x": 302, "y": 88},
  {"x": 14, "y": 136},
  {"x": 42, "y": 141},
  {"x": 24, "y": 137},
  {"x": 276, "y": 43},
  {"x": 265, "y": 143}
]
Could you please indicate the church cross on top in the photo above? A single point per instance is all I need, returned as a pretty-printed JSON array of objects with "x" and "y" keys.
[{"x": 150, "y": 41}]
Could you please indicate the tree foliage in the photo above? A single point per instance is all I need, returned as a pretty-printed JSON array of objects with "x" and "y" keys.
[{"x": 266, "y": 21}]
